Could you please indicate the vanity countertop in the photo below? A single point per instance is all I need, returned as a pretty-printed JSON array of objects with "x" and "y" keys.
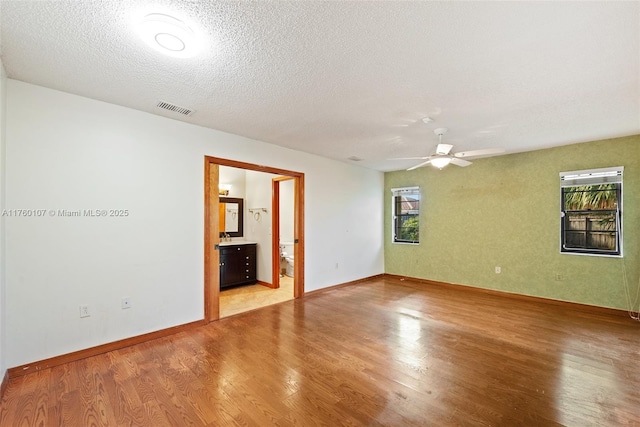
[{"x": 237, "y": 242}]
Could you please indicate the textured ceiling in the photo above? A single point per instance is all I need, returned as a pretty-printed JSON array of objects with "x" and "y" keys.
[{"x": 342, "y": 79}]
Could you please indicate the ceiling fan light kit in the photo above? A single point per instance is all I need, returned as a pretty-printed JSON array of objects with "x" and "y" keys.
[
  {"x": 440, "y": 162},
  {"x": 443, "y": 156}
]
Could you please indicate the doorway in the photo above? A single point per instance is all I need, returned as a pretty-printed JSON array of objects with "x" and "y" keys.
[{"x": 212, "y": 230}]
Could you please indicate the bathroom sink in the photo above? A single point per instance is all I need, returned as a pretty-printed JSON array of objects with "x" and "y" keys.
[{"x": 237, "y": 242}]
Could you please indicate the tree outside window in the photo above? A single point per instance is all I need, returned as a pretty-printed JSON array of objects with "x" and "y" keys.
[
  {"x": 406, "y": 215},
  {"x": 591, "y": 215}
]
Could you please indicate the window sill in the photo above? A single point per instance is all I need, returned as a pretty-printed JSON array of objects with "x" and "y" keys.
[{"x": 590, "y": 254}]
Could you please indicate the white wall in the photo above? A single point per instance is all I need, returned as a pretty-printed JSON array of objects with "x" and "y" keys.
[
  {"x": 286, "y": 211},
  {"x": 258, "y": 223},
  {"x": 68, "y": 152},
  {"x": 234, "y": 177},
  {"x": 3, "y": 333}
]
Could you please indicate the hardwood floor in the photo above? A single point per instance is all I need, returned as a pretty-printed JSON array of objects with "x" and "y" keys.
[
  {"x": 244, "y": 298},
  {"x": 382, "y": 352}
]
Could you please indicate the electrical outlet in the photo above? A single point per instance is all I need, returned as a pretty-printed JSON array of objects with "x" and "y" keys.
[
  {"x": 498, "y": 269},
  {"x": 126, "y": 302},
  {"x": 84, "y": 311}
]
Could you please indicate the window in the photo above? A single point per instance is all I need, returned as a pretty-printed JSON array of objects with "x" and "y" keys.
[
  {"x": 591, "y": 212},
  {"x": 406, "y": 214}
]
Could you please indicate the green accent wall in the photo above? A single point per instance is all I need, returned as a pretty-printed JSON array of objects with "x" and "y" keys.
[{"x": 505, "y": 211}]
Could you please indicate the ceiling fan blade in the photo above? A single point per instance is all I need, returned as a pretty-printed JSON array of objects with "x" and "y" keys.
[
  {"x": 410, "y": 158},
  {"x": 419, "y": 165},
  {"x": 484, "y": 152},
  {"x": 460, "y": 162},
  {"x": 443, "y": 149}
]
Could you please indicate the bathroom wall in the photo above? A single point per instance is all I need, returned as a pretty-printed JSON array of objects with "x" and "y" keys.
[
  {"x": 234, "y": 177},
  {"x": 286, "y": 210},
  {"x": 258, "y": 224}
]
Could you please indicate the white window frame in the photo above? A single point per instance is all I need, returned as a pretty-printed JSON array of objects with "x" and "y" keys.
[
  {"x": 399, "y": 192},
  {"x": 612, "y": 175}
]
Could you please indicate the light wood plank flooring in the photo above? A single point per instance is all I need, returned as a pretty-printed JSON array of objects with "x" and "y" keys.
[
  {"x": 381, "y": 352},
  {"x": 244, "y": 298}
]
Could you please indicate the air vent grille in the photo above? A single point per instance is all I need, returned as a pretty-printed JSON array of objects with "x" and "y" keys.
[{"x": 175, "y": 108}]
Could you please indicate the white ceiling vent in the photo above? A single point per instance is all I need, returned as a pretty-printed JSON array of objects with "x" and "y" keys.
[{"x": 175, "y": 108}]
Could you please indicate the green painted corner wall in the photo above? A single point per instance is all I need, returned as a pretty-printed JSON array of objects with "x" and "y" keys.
[{"x": 505, "y": 211}]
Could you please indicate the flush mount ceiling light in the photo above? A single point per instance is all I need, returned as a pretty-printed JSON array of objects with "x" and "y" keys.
[{"x": 169, "y": 35}]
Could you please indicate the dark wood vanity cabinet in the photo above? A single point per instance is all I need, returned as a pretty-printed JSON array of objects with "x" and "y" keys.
[{"x": 237, "y": 265}]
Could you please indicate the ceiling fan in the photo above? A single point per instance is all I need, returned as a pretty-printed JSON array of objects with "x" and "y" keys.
[{"x": 443, "y": 155}]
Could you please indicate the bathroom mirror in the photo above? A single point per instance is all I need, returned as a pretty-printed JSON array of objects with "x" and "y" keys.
[{"x": 231, "y": 216}]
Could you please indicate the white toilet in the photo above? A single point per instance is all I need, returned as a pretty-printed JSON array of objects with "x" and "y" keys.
[
  {"x": 289, "y": 270},
  {"x": 287, "y": 254}
]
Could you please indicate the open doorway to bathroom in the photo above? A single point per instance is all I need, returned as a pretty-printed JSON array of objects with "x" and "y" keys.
[
  {"x": 268, "y": 211},
  {"x": 262, "y": 212}
]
